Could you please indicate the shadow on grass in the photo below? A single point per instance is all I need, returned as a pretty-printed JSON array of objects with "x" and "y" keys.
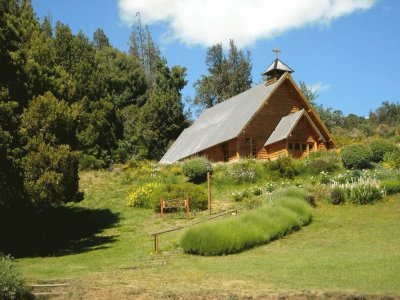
[{"x": 55, "y": 231}]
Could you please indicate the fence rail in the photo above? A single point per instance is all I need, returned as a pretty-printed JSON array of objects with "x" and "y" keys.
[{"x": 156, "y": 234}]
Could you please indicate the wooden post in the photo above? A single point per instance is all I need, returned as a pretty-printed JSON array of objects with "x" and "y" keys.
[
  {"x": 209, "y": 191},
  {"x": 161, "y": 208},
  {"x": 187, "y": 208},
  {"x": 156, "y": 243}
]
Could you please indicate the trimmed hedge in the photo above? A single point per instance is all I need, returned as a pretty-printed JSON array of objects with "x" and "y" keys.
[
  {"x": 356, "y": 156},
  {"x": 253, "y": 228}
]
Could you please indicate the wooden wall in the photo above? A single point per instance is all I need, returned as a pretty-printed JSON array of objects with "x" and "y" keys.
[
  {"x": 282, "y": 103},
  {"x": 216, "y": 153}
]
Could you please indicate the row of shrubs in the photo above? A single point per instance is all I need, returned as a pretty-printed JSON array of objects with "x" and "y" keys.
[{"x": 284, "y": 214}]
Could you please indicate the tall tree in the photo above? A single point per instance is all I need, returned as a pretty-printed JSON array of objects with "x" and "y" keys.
[
  {"x": 100, "y": 39},
  {"x": 50, "y": 166},
  {"x": 11, "y": 192},
  {"x": 228, "y": 76},
  {"x": 161, "y": 118},
  {"x": 142, "y": 46}
]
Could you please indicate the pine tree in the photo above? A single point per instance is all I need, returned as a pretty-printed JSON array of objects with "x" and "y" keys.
[{"x": 228, "y": 76}]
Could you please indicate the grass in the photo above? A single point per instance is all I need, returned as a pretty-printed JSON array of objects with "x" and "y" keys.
[{"x": 346, "y": 249}]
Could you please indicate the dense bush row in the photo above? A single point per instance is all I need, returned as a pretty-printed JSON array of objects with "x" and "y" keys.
[{"x": 285, "y": 213}]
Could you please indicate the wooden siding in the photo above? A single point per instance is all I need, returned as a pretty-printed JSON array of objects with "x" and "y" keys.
[
  {"x": 277, "y": 150},
  {"x": 216, "y": 153},
  {"x": 280, "y": 104}
]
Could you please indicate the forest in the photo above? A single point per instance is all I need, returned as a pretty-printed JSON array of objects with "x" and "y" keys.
[{"x": 69, "y": 102}]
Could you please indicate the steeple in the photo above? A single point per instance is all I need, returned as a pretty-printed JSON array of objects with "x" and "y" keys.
[{"x": 276, "y": 69}]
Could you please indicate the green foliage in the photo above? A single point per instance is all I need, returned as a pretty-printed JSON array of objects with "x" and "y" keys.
[
  {"x": 196, "y": 169},
  {"x": 391, "y": 187},
  {"x": 12, "y": 284},
  {"x": 347, "y": 176},
  {"x": 362, "y": 191},
  {"x": 142, "y": 196},
  {"x": 337, "y": 195},
  {"x": 197, "y": 195},
  {"x": 10, "y": 178},
  {"x": 161, "y": 118},
  {"x": 323, "y": 161},
  {"x": 241, "y": 173},
  {"x": 253, "y": 228},
  {"x": 47, "y": 120},
  {"x": 356, "y": 156},
  {"x": 51, "y": 176},
  {"x": 148, "y": 195},
  {"x": 379, "y": 148},
  {"x": 284, "y": 166},
  {"x": 90, "y": 162},
  {"x": 228, "y": 76},
  {"x": 391, "y": 160}
]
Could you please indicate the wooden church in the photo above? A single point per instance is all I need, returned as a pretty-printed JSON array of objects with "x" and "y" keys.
[{"x": 269, "y": 120}]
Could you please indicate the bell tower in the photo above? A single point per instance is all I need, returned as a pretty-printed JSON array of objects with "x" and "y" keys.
[{"x": 276, "y": 69}]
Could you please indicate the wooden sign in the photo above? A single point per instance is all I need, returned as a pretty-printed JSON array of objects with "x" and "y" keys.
[{"x": 175, "y": 203}]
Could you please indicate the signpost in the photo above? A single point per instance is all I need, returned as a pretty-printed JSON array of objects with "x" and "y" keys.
[
  {"x": 175, "y": 203},
  {"x": 209, "y": 191}
]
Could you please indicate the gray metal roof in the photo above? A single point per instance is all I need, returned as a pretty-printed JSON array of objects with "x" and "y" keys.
[
  {"x": 285, "y": 127},
  {"x": 277, "y": 65},
  {"x": 220, "y": 123}
]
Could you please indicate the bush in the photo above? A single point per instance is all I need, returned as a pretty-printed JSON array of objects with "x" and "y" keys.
[
  {"x": 197, "y": 195},
  {"x": 362, "y": 191},
  {"x": 391, "y": 187},
  {"x": 148, "y": 195},
  {"x": 12, "y": 284},
  {"x": 51, "y": 176},
  {"x": 241, "y": 173},
  {"x": 142, "y": 196},
  {"x": 323, "y": 161},
  {"x": 337, "y": 196},
  {"x": 379, "y": 148},
  {"x": 196, "y": 169},
  {"x": 347, "y": 176},
  {"x": 89, "y": 162},
  {"x": 356, "y": 156},
  {"x": 285, "y": 167},
  {"x": 391, "y": 160},
  {"x": 365, "y": 194},
  {"x": 253, "y": 228},
  {"x": 240, "y": 195}
]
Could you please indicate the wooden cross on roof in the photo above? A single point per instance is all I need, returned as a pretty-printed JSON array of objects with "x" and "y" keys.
[{"x": 276, "y": 50}]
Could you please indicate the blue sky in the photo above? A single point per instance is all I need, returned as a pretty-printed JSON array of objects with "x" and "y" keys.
[{"x": 348, "y": 50}]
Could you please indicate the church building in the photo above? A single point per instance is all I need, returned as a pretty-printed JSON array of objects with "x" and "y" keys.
[{"x": 267, "y": 121}]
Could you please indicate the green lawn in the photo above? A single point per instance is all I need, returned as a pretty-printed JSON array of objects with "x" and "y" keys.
[{"x": 346, "y": 249}]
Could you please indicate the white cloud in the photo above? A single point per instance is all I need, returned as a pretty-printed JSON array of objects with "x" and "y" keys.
[
  {"x": 207, "y": 22},
  {"x": 318, "y": 87}
]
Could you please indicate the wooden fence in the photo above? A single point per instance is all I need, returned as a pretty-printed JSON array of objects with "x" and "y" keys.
[{"x": 156, "y": 234}]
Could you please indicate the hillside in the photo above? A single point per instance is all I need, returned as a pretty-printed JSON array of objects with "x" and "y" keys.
[{"x": 347, "y": 249}]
